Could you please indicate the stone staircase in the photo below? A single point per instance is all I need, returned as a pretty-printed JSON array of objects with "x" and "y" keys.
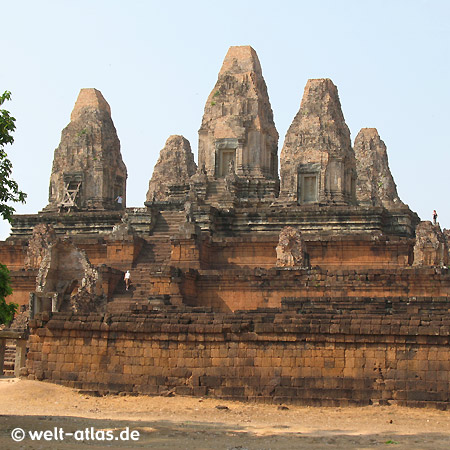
[
  {"x": 10, "y": 355},
  {"x": 168, "y": 223},
  {"x": 217, "y": 193},
  {"x": 140, "y": 291},
  {"x": 127, "y": 303},
  {"x": 156, "y": 250},
  {"x": 154, "y": 255},
  {"x": 406, "y": 308}
]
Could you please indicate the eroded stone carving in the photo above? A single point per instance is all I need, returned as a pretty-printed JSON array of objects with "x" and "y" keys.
[
  {"x": 122, "y": 230},
  {"x": 375, "y": 185},
  {"x": 43, "y": 236},
  {"x": 431, "y": 247},
  {"x": 317, "y": 160},
  {"x": 198, "y": 185},
  {"x": 88, "y": 172},
  {"x": 67, "y": 275},
  {"x": 175, "y": 166},
  {"x": 290, "y": 249}
]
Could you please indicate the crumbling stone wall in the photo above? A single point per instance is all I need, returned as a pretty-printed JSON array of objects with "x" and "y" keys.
[
  {"x": 43, "y": 236},
  {"x": 266, "y": 356},
  {"x": 66, "y": 271}
]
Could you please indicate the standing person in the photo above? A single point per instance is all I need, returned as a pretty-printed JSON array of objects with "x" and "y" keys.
[
  {"x": 435, "y": 217},
  {"x": 127, "y": 279},
  {"x": 119, "y": 201}
]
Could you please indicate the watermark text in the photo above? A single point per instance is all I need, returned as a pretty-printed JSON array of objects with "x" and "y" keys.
[{"x": 87, "y": 434}]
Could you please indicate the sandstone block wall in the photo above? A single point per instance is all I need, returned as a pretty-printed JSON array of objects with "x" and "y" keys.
[
  {"x": 13, "y": 255},
  {"x": 364, "y": 251},
  {"x": 241, "y": 289},
  {"x": 24, "y": 282},
  {"x": 314, "y": 358}
]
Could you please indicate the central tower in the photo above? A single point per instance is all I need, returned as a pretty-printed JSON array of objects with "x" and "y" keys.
[{"x": 238, "y": 134}]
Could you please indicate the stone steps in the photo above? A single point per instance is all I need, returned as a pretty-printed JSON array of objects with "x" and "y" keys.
[
  {"x": 168, "y": 222},
  {"x": 157, "y": 247},
  {"x": 154, "y": 255},
  {"x": 140, "y": 287},
  {"x": 217, "y": 195},
  {"x": 10, "y": 356},
  {"x": 368, "y": 307},
  {"x": 122, "y": 304},
  {"x": 155, "y": 250},
  {"x": 216, "y": 190}
]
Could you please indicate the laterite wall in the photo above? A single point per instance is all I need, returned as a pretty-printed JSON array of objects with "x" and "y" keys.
[{"x": 302, "y": 354}]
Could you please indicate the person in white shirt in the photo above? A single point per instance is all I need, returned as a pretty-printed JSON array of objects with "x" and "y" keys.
[{"x": 127, "y": 279}]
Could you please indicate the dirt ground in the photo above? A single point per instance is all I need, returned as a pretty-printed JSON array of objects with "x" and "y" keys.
[{"x": 192, "y": 423}]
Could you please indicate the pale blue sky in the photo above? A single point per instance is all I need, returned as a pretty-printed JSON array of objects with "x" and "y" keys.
[{"x": 156, "y": 62}]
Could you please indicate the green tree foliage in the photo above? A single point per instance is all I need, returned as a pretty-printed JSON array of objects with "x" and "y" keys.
[
  {"x": 7, "y": 310},
  {"x": 9, "y": 192},
  {"x": 9, "y": 189}
]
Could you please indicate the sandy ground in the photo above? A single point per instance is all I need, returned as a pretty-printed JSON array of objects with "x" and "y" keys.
[{"x": 192, "y": 423}]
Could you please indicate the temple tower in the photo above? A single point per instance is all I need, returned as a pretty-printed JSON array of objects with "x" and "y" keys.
[
  {"x": 88, "y": 172},
  {"x": 317, "y": 159},
  {"x": 173, "y": 170},
  {"x": 375, "y": 185},
  {"x": 238, "y": 134}
]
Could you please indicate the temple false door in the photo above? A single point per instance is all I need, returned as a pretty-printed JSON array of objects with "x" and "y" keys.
[
  {"x": 227, "y": 161},
  {"x": 308, "y": 188}
]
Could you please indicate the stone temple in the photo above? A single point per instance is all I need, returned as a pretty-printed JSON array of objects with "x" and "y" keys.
[{"x": 298, "y": 279}]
